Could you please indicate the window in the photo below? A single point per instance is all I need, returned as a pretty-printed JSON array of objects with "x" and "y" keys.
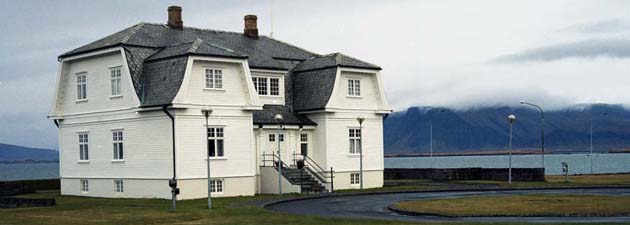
[
  {"x": 260, "y": 83},
  {"x": 115, "y": 81},
  {"x": 216, "y": 186},
  {"x": 267, "y": 85},
  {"x": 215, "y": 141},
  {"x": 118, "y": 186},
  {"x": 355, "y": 140},
  {"x": 304, "y": 137},
  {"x": 117, "y": 140},
  {"x": 83, "y": 147},
  {"x": 281, "y": 137},
  {"x": 272, "y": 138},
  {"x": 355, "y": 178},
  {"x": 274, "y": 86},
  {"x": 81, "y": 86},
  {"x": 214, "y": 78},
  {"x": 354, "y": 87},
  {"x": 84, "y": 186}
]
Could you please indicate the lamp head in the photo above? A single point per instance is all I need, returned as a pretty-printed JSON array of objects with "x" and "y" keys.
[
  {"x": 360, "y": 119},
  {"x": 522, "y": 102},
  {"x": 511, "y": 118},
  {"x": 278, "y": 117}
]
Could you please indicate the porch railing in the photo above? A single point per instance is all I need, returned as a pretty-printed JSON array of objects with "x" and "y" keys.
[{"x": 324, "y": 176}]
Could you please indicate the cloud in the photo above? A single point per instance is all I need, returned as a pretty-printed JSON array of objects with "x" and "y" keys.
[
  {"x": 597, "y": 27},
  {"x": 590, "y": 48}
]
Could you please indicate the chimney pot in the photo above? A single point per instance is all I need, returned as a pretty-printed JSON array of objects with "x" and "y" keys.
[
  {"x": 175, "y": 17},
  {"x": 251, "y": 26}
]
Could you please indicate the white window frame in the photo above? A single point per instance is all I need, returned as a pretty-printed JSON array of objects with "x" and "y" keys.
[
  {"x": 84, "y": 185},
  {"x": 116, "y": 81},
  {"x": 81, "y": 84},
  {"x": 84, "y": 146},
  {"x": 355, "y": 179},
  {"x": 119, "y": 186},
  {"x": 272, "y": 138},
  {"x": 216, "y": 137},
  {"x": 213, "y": 78},
  {"x": 217, "y": 186},
  {"x": 118, "y": 145},
  {"x": 304, "y": 137},
  {"x": 354, "y": 87},
  {"x": 266, "y": 81},
  {"x": 354, "y": 141}
]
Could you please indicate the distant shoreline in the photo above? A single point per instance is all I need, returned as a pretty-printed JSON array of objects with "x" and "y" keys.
[
  {"x": 28, "y": 161},
  {"x": 491, "y": 153}
]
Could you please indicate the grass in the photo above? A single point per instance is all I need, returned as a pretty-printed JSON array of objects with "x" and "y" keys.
[
  {"x": 233, "y": 210},
  {"x": 559, "y": 181},
  {"x": 523, "y": 205}
]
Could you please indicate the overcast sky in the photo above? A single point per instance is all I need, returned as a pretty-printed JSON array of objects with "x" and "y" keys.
[{"x": 458, "y": 54}]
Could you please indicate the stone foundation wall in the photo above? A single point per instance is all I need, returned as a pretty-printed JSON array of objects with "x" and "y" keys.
[{"x": 518, "y": 174}]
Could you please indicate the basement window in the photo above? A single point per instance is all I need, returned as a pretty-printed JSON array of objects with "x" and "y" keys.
[
  {"x": 355, "y": 178},
  {"x": 216, "y": 186}
]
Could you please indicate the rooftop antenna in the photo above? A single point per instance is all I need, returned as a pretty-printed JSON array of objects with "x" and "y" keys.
[{"x": 271, "y": 17}]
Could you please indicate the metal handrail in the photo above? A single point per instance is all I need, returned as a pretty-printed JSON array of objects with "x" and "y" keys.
[
  {"x": 316, "y": 169},
  {"x": 274, "y": 159}
]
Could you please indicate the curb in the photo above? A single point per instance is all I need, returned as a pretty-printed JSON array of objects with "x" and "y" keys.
[
  {"x": 329, "y": 195},
  {"x": 413, "y": 213}
]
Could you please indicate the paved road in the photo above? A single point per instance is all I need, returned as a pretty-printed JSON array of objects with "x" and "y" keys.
[{"x": 375, "y": 206}]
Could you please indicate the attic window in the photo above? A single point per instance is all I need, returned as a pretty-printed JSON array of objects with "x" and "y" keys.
[
  {"x": 267, "y": 86},
  {"x": 214, "y": 78},
  {"x": 354, "y": 87}
]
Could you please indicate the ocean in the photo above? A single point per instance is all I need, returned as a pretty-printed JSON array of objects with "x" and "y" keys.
[{"x": 578, "y": 163}]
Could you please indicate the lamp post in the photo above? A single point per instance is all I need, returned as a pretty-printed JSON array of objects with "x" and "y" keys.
[
  {"x": 279, "y": 119},
  {"x": 207, "y": 112},
  {"x": 511, "y": 119},
  {"x": 542, "y": 129},
  {"x": 360, "y": 119},
  {"x": 590, "y": 156}
]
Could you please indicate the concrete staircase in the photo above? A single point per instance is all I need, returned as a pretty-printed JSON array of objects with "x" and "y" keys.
[{"x": 307, "y": 182}]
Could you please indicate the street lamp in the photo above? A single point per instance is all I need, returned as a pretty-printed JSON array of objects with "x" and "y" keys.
[
  {"x": 591, "y": 123},
  {"x": 511, "y": 119},
  {"x": 360, "y": 119},
  {"x": 207, "y": 112},
  {"x": 542, "y": 128},
  {"x": 279, "y": 119}
]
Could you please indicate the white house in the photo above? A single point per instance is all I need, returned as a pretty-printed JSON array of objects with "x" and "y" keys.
[{"x": 131, "y": 112}]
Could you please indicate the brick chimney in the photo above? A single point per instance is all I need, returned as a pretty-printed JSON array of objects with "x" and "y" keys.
[
  {"x": 175, "y": 17},
  {"x": 251, "y": 26}
]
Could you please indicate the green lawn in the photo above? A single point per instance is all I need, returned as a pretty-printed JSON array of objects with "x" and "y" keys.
[
  {"x": 233, "y": 210},
  {"x": 523, "y": 205}
]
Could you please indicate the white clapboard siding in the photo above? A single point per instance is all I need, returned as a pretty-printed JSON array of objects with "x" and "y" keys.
[
  {"x": 99, "y": 96},
  {"x": 147, "y": 148}
]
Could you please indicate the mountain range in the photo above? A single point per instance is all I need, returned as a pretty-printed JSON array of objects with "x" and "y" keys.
[
  {"x": 486, "y": 129},
  {"x": 471, "y": 131},
  {"x": 15, "y": 153}
]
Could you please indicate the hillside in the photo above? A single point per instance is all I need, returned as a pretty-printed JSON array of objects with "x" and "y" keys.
[
  {"x": 487, "y": 129},
  {"x": 9, "y": 153}
]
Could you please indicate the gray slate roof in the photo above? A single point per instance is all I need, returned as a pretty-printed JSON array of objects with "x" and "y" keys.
[
  {"x": 157, "y": 56},
  {"x": 262, "y": 52},
  {"x": 312, "y": 89},
  {"x": 266, "y": 116},
  {"x": 331, "y": 60}
]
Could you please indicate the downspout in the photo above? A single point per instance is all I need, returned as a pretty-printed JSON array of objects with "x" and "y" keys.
[{"x": 173, "y": 182}]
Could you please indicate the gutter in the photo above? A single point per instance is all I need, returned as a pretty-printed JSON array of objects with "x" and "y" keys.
[{"x": 173, "y": 182}]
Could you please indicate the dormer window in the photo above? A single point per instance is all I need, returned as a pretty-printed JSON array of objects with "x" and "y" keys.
[
  {"x": 267, "y": 86},
  {"x": 354, "y": 87},
  {"x": 116, "y": 79},
  {"x": 214, "y": 78},
  {"x": 81, "y": 86}
]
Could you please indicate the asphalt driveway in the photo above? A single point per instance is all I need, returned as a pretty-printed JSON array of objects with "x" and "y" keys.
[{"x": 374, "y": 206}]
